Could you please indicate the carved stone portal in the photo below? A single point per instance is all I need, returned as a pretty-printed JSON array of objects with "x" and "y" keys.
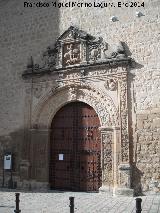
[{"x": 73, "y": 70}]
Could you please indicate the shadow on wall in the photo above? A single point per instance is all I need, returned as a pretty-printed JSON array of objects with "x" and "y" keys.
[
  {"x": 11, "y": 143},
  {"x": 26, "y": 146},
  {"x": 134, "y": 64},
  {"x": 34, "y": 28},
  {"x": 136, "y": 181}
]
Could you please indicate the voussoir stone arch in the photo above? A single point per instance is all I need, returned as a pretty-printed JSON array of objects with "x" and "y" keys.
[{"x": 53, "y": 100}]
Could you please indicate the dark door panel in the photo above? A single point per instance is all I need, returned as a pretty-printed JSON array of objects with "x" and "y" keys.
[{"x": 75, "y": 149}]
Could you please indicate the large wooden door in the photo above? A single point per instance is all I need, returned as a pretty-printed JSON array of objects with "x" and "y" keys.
[{"x": 75, "y": 149}]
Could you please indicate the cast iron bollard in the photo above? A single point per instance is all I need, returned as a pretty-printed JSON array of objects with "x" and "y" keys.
[
  {"x": 71, "y": 204},
  {"x": 17, "y": 203},
  {"x": 138, "y": 205}
]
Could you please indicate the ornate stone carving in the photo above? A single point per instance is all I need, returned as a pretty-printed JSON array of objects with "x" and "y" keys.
[
  {"x": 125, "y": 175},
  {"x": 76, "y": 47},
  {"x": 71, "y": 54},
  {"x": 111, "y": 84},
  {"x": 114, "y": 52},
  {"x": 101, "y": 102},
  {"x": 72, "y": 93},
  {"x": 94, "y": 47},
  {"x": 124, "y": 119},
  {"x": 107, "y": 141},
  {"x": 72, "y": 83}
]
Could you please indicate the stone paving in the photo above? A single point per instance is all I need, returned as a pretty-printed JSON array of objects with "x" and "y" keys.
[{"x": 58, "y": 202}]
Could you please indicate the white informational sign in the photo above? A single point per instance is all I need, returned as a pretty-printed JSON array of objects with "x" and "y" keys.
[
  {"x": 7, "y": 161},
  {"x": 61, "y": 156}
]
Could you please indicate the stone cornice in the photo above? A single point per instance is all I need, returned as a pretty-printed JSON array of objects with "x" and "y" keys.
[{"x": 114, "y": 63}]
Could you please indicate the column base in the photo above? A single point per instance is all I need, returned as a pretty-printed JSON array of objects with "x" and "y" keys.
[{"x": 123, "y": 192}]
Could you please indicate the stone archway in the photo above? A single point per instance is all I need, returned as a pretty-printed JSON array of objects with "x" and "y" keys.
[{"x": 105, "y": 109}]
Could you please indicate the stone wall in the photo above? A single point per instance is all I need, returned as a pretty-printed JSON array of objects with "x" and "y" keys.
[
  {"x": 28, "y": 31},
  {"x": 24, "y": 32},
  {"x": 147, "y": 151}
]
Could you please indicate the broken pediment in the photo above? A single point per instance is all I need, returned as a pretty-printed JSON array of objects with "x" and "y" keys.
[{"x": 75, "y": 48}]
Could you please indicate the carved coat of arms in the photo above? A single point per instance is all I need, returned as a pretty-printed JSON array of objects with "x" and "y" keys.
[{"x": 71, "y": 54}]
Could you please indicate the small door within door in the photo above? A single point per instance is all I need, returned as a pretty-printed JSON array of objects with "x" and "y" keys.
[{"x": 75, "y": 149}]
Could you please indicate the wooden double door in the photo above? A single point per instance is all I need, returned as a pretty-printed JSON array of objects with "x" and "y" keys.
[{"x": 75, "y": 149}]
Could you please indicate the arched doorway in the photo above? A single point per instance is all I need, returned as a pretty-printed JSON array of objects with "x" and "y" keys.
[{"x": 75, "y": 149}]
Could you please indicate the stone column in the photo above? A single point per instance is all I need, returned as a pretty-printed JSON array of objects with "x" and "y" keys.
[
  {"x": 124, "y": 182},
  {"x": 107, "y": 159},
  {"x": 116, "y": 155}
]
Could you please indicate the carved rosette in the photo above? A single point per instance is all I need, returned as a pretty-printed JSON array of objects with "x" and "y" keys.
[
  {"x": 124, "y": 119},
  {"x": 107, "y": 159}
]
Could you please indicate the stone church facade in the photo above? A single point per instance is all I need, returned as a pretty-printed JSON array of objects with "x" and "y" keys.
[{"x": 111, "y": 67}]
